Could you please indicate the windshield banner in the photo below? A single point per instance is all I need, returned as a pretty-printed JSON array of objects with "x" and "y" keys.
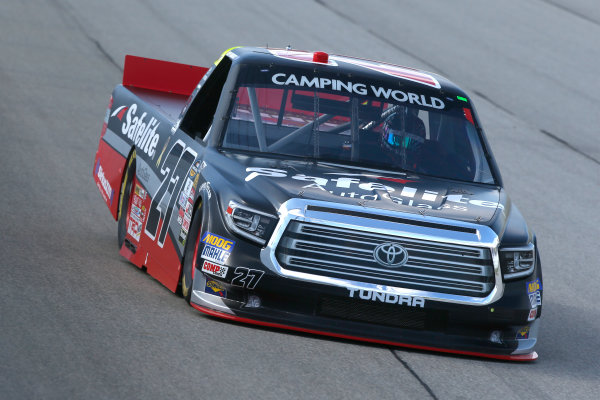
[{"x": 362, "y": 89}]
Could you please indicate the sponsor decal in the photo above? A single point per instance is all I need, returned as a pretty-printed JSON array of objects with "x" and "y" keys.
[
  {"x": 390, "y": 298},
  {"x": 187, "y": 187},
  {"x": 215, "y": 288},
  {"x": 532, "y": 314},
  {"x": 206, "y": 187},
  {"x": 218, "y": 241},
  {"x": 182, "y": 200},
  {"x": 180, "y": 216},
  {"x": 214, "y": 269},
  {"x": 140, "y": 192},
  {"x": 185, "y": 224},
  {"x": 119, "y": 112},
  {"x": 351, "y": 185},
  {"x": 534, "y": 290},
  {"x": 142, "y": 172},
  {"x": 188, "y": 209},
  {"x": 186, "y": 205},
  {"x": 140, "y": 129},
  {"x": 104, "y": 183},
  {"x": 283, "y": 79},
  {"x": 215, "y": 254},
  {"x": 134, "y": 229},
  {"x": 523, "y": 333},
  {"x": 137, "y": 213},
  {"x": 246, "y": 277},
  {"x": 216, "y": 248}
]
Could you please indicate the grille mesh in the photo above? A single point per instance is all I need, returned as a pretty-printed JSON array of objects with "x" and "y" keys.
[{"x": 349, "y": 254}]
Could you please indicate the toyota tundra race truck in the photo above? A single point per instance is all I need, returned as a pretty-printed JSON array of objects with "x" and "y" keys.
[{"x": 324, "y": 194}]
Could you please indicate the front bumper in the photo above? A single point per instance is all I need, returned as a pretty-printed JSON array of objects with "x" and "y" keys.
[
  {"x": 500, "y": 332},
  {"x": 500, "y": 326}
]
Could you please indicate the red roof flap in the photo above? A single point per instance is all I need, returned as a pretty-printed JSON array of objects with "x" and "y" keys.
[{"x": 164, "y": 76}]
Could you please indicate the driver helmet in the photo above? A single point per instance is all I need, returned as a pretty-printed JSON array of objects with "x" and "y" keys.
[{"x": 403, "y": 132}]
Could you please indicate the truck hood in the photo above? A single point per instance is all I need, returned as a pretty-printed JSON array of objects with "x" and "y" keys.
[{"x": 266, "y": 183}]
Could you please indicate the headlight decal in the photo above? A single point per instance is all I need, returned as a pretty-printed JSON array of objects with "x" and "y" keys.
[
  {"x": 252, "y": 224},
  {"x": 517, "y": 262}
]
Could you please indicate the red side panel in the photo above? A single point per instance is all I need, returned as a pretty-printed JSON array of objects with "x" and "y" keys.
[
  {"x": 108, "y": 172},
  {"x": 160, "y": 75},
  {"x": 161, "y": 263}
]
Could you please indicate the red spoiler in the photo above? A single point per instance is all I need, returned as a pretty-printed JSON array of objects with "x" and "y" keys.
[{"x": 164, "y": 76}]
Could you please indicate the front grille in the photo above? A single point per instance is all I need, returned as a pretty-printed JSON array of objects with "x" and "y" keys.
[
  {"x": 348, "y": 254},
  {"x": 382, "y": 314}
]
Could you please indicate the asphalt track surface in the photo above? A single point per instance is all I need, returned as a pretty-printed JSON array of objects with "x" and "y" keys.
[{"x": 77, "y": 321}]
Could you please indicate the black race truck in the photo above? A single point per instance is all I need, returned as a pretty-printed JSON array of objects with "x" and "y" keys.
[{"x": 324, "y": 194}]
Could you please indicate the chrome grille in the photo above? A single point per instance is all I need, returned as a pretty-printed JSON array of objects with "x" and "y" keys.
[{"x": 348, "y": 254}]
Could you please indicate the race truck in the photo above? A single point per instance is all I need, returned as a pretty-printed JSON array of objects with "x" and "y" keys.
[{"x": 324, "y": 194}]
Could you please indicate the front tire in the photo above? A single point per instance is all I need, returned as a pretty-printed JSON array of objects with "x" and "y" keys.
[{"x": 190, "y": 254}]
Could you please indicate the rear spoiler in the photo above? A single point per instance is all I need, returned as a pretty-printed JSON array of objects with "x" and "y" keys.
[{"x": 164, "y": 76}]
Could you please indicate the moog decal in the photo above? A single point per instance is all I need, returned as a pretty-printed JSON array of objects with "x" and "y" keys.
[
  {"x": 216, "y": 248},
  {"x": 534, "y": 290}
]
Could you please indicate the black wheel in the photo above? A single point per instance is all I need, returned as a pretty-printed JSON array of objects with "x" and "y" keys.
[
  {"x": 190, "y": 254},
  {"x": 125, "y": 195}
]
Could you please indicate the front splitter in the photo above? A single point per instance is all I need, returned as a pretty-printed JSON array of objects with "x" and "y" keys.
[{"x": 509, "y": 357}]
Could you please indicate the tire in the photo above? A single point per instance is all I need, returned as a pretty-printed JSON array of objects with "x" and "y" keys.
[
  {"x": 190, "y": 254},
  {"x": 123, "y": 210}
]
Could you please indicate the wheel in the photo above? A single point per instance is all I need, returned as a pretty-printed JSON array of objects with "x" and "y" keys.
[
  {"x": 190, "y": 254},
  {"x": 124, "y": 198}
]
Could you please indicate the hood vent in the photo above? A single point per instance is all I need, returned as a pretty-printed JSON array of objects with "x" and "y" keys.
[{"x": 391, "y": 219}]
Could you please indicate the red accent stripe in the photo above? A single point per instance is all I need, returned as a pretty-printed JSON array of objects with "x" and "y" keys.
[
  {"x": 517, "y": 357},
  {"x": 121, "y": 113},
  {"x": 468, "y": 115},
  {"x": 164, "y": 76},
  {"x": 196, "y": 245},
  {"x": 403, "y": 181},
  {"x": 104, "y": 126}
]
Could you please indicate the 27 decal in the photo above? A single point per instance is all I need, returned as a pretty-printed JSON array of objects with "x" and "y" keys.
[
  {"x": 246, "y": 277},
  {"x": 175, "y": 168}
]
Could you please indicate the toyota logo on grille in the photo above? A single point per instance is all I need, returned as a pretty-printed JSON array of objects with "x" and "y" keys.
[{"x": 391, "y": 255}]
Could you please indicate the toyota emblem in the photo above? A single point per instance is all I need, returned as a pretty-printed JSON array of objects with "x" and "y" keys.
[{"x": 391, "y": 255}]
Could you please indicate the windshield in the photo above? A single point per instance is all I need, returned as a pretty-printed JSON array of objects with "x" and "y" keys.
[{"x": 301, "y": 113}]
